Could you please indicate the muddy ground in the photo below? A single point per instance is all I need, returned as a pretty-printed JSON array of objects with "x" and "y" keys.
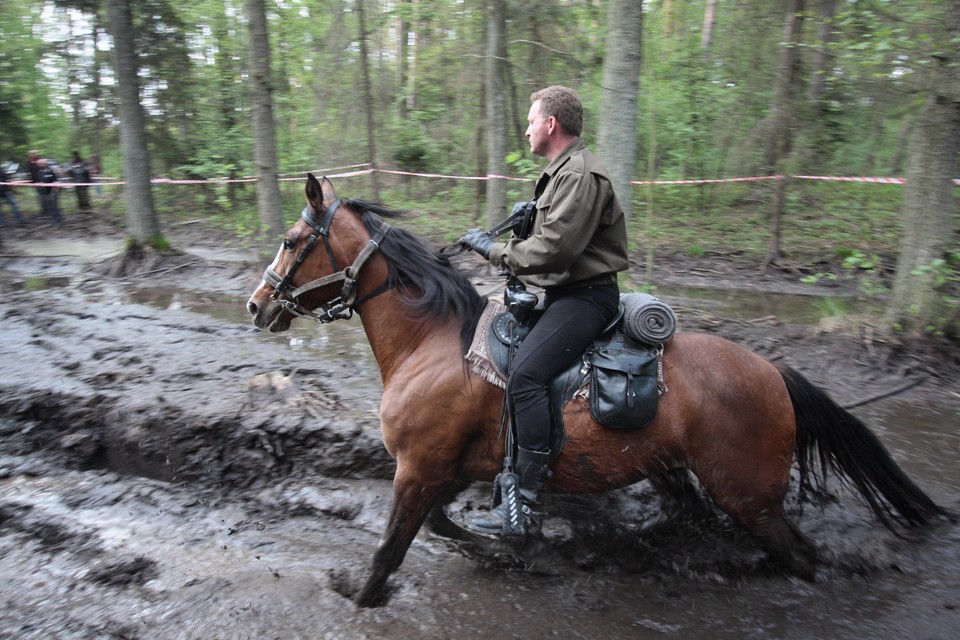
[{"x": 169, "y": 472}]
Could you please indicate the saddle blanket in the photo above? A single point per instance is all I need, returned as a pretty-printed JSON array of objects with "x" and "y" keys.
[{"x": 479, "y": 353}]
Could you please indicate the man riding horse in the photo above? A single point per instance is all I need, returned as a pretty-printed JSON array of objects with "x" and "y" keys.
[{"x": 576, "y": 246}]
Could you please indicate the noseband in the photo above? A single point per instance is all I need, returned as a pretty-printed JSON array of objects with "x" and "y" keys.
[{"x": 338, "y": 308}]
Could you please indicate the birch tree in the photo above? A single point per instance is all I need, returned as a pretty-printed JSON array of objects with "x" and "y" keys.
[{"x": 617, "y": 131}]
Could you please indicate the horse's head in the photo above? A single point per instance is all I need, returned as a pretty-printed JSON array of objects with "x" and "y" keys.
[{"x": 305, "y": 280}]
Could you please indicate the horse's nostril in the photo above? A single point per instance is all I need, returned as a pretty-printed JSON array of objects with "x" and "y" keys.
[{"x": 252, "y": 308}]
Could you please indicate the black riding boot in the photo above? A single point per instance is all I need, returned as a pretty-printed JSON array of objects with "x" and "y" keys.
[{"x": 514, "y": 515}]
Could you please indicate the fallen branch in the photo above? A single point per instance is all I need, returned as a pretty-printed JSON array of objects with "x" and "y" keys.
[
  {"x": 886, "y": 394},
  {"x": 155, "y": 271}
]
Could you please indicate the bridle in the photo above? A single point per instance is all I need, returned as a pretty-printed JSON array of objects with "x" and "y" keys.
[{"x": 341, "y": 307}]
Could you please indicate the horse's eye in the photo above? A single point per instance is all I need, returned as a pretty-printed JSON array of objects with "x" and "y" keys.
[{"x": 288, "y": 244}]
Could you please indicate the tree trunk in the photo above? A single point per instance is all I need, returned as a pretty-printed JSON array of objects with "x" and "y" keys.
[
  {"x": 368, "y": 102},
  {"x": 928, "y": 209},
  {"x": 227, "y": 106},
  {"x": 778, "y": 126},
  {"x": 413, "y": 55},
  {"x": 496, "y": 111},
  {"x": 916, "y": 304},
  {"x": 264, "y": 128},
  {"x": 709, "y": 23},
  {"x": 481, "y": 158},
  {"x": 823, "y": 59},
  {"x": 98, "y": 95},
  {"x": 142, "y": 225},
  {"x": 405, "y": 103},
  {"x": 617, "y": 131}
]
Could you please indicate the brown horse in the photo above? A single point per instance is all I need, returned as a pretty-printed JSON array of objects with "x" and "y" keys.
[{"x": 730, "y": 417}]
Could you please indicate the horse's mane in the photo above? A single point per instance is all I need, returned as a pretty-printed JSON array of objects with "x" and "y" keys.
[{"x": 429, "y": 286}]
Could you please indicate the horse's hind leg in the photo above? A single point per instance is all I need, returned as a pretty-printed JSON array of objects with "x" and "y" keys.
[
  {"x": 681, "y": 500},
  {"x": 762, "y": 515},
  {"x": 787, "y": 546},
  {"x": 679, "y": 495}
]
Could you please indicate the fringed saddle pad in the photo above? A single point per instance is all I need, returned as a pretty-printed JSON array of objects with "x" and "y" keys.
[{"x": 479, "y": 353}]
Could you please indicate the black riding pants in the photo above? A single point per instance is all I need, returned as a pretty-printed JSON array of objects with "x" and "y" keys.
[{"x": 574, "y": 316}]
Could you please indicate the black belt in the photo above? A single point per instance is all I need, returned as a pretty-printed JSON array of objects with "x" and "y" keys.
[{"x": 560, "y": 289}]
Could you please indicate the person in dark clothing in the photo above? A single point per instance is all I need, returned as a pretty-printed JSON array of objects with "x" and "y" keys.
[
  {"x": 33, "y": 168},
  {"x": 79, "y": 171},
  {"x": 6, "y": 194},
  {"x": 49, "y": 194},
  {"x": 577, "y": 246}
]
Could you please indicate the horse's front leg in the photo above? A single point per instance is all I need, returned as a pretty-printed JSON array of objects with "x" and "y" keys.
[{"x": 413, "y": 497}]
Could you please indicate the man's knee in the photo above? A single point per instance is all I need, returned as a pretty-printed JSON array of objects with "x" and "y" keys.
[{"x": 523, "y": 384}]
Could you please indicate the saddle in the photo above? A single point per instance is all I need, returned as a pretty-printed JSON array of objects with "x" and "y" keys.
[{"x": 620, "y": 375}]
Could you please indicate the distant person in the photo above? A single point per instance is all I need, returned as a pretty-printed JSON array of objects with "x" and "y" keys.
[
  {"x": 48, "y": 193},
  {"x": 6, "y": 194},
  {"x": 33, "y": 168},
  {"x": 79, "y": 171}
]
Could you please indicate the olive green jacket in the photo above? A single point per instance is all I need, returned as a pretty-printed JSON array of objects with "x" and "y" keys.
[{"x": 579, "y": 234}]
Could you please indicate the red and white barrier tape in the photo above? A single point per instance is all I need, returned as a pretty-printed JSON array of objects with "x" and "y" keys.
[
  {"x": 707, "y": 181},
  {"x": 361, "y": 172},
  {"x": 855, "y": 179}
]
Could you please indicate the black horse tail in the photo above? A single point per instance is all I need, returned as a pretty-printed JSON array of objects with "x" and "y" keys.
[{"x": 832, "y": 436}]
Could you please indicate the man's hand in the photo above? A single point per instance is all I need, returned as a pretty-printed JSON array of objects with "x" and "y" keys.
[{"x": 478, "y": 240}]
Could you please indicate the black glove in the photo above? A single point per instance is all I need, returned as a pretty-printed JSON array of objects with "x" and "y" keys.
[{"x": 478, "y": 240}]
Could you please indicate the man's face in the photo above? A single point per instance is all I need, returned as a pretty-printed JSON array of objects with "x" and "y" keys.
[{"x": 538, "y": 129}]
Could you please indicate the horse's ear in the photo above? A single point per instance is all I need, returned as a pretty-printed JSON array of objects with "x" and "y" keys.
[
  {"x": 329, "y": 194},
  {"x": 320, "y": 193},
  {"x": 314, "y": 192}
]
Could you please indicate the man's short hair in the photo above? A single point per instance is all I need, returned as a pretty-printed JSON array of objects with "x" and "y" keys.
[{"x": 563, "y": 104}]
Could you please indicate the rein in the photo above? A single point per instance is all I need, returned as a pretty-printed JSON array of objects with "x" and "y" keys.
[{"x": 341, "y": 307}]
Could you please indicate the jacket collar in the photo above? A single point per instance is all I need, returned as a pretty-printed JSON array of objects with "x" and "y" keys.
[{"x": 575, "y": 145}]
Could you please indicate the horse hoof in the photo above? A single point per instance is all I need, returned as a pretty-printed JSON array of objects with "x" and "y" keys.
[
  {"x": 368, "y": 599},
  {"x": 369, "y": 602}
]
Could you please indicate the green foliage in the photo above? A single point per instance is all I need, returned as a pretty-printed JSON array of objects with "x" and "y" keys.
[
  {"x": 832, "y": 307},
  {"x": 699, "y": 109},
  {"x": 29, "y": 118},
  {"x": 413, "y": 150},
  {"x": 160, "y": 243},
  {"x": 945, "y": 274},
  {"x": 523, "y": 164},
  {"x": 866, "y": 270},
  {"x": 858, "y": 261},
  {"x": 816, "y": 278}
]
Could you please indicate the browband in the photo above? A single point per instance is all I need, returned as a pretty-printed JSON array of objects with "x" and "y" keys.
[{"x": 323, "y": 227}]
